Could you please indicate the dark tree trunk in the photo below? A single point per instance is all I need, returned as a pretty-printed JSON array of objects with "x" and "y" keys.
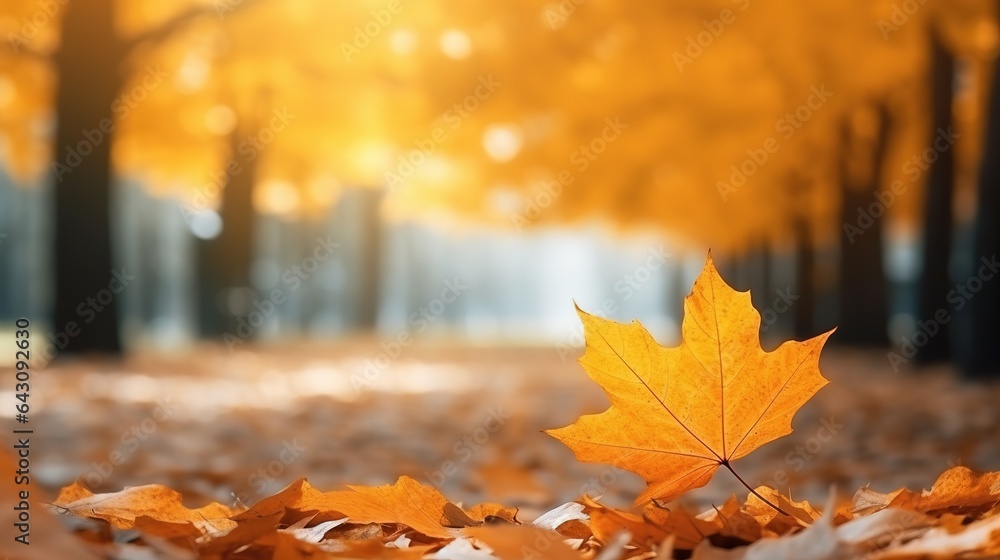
[
  {"x": 864, "y": 294},
  {"x": 758, "y": 275},
  {"x": 89, "y": 64},
  {"x": 210, "y": 309},
  {"x": 935, "y": 280},
  {"x": 224, "y": 263},
  {"x": 90, "y": 69},
  {"x": 983, "y": 354},
  {"x": 805, "y": 287}
]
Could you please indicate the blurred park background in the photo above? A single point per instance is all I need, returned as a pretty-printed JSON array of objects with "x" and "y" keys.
[{"x": 312, "y": 199}]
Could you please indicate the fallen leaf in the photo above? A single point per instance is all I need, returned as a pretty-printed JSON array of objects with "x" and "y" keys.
[
  {"x": 516, "y": 542},
  {"x": 799, "y": 514},
  {"x": 862, "y": 537},
  {"x": 292, "y": 494},
  {"x": 376, "y": 549},
  {"x": 408, "y": 502},
  {"x": 980, "y": 539},
  {"x": 737, "y": 523},
  {"x": 688, "y": 530},
  {"x": 357, "y": 533},
  {"x": 121, "y": 509},
  {"x": 958, "y": 489},
  {"x": 313, "y": 534},
  {"x": 489, "y": 512},
  {"x": 72, "y": 493},
  {"x": 246, "y": 531},
  {"x": 567, "y": 520},
  {"x": 607, "y": 523},
  {"x": 461, "y": 549},
  {"x": 678, "y": 414},
  {"x": 883, "y": 529},
  {"x": 615, "y": 549},
  {"x": 178, "y": 533},
  {"x": 287, "y": 547},
  {"x": 817, "y": 542}
]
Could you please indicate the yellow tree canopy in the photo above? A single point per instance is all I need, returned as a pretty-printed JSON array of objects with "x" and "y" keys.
[{"x": 686, "y": 115}]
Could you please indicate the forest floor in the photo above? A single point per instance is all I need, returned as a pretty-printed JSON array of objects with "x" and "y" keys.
[{"x": 223, "y": 426}]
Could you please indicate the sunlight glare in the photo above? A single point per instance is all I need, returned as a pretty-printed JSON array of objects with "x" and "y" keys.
[
  {"x": 403, "y": 41},
  {"x": 502, "y": 142},
  {"x": 455, "y": 44},
  {"x": 206, "y": 224},
  {"x": 220, "y": 120},
  {"x": 276, "y": 197}
]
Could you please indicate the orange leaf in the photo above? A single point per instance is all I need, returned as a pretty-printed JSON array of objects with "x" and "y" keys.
[
  {"x": 800, "y": 514},
  {"x": 408, "y": 502},
  {"x": 122, "y": 509},
  {"x": 516, "y": 542},
  {"x": 686, "y": 529},
  {"x": 678, "y": 414},
  {"x": 606, "y": 523},
  {"x": 491, "y": 512},
  {"x": 957, "y": 490}
]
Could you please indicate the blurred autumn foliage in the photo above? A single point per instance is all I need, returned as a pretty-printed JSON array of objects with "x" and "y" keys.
[{"x": 699, "y": 86}]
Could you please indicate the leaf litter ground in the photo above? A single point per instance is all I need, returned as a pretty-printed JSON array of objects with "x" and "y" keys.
[{"x": 248, "y": 425}]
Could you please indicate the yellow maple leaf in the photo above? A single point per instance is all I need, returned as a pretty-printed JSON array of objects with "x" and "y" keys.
[{"x": 678, "y": 414}]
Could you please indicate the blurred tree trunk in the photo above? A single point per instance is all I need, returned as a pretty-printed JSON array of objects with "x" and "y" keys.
[
  {"x": 864, "y": 294},
  {"x": 935, "y": 280},
  {"x": 88, "y": 65},
  {"x": 371, "y": 266},
  {"x": 757, "y": 264},
  {"x": 224, "y": 262},
  {"x": 983, "y": 354},
  {"x": 805, "y": 287},
  {"x": 359, "y": 220}
]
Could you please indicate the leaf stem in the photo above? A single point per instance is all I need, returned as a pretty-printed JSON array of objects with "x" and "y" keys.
[{"x": 725, "y": 463}]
